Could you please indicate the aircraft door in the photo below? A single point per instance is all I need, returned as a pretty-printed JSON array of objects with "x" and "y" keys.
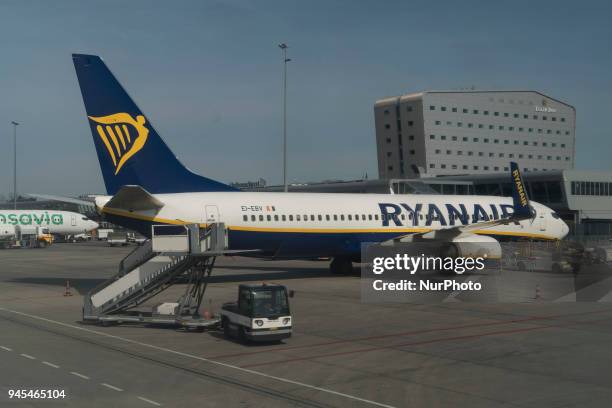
[
  {"x": 73, "y": 220},
  {"x": 211, "y": 214},
  {"x": 542, "y": 222}
]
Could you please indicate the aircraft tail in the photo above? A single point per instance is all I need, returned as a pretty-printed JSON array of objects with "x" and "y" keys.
[
  {"x": 129, "y": 149},
  {"x": 520, "y": 199}
]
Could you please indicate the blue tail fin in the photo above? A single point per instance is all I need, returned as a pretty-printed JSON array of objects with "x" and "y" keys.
[
  {"x": 129, "y": 149},
  {"x": 520, "y": 200}
]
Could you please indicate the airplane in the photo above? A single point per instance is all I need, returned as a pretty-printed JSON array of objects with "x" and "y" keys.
[
  {"x": 146, "y": 184},
  {"x": 58, "y": 222}
]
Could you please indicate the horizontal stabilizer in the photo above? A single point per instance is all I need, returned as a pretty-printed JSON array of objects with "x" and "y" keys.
[{"x": 133, "y": 198}]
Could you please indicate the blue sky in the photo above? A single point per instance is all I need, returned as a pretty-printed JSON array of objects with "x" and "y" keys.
[{"x": 208, "y": 75}]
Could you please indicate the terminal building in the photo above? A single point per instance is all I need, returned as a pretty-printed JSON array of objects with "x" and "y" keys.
[{"x": 472, "y": 132}]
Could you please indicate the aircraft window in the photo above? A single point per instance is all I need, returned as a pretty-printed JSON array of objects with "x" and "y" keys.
[
  {"x": 84, "y": 218},
  {"x": 298, "y": 217},
  {"x": 290, "y": 217},
  {"x": 376, "y": 217},
  {"x": 284, "y": 217},
  {"x": 335, "y": 217},
  {"x": 555, "y": 215},
  {"x": 252, "y": 218},
  {"x": 269, "y": 218},
  {"x": 305, "y": 217},
  {"x": 356, "y": 217},
  {"x": 403, "y": 216},
  {"x": 260, "y": 217},
  {"x": 363, "y": 217},
  {"x": 327, "y": 217},
  {"x": 341, "y": 217},
  {"x": 410, "y": 216},
  {"x": 421, "y": 216},
  {"x": 320, "y": 217},
  {"x": 370, "y": 217},
  {"x": 245, "y": 217},
  {"x": 275, "y": 217},
  {"x": 350, "y": 217},
  {"x": 312, "y": 217}
]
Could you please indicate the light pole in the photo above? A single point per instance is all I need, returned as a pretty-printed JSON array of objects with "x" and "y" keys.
[
  {"x": 284, "y": 47},
  {"x": 15, "y": 124}
]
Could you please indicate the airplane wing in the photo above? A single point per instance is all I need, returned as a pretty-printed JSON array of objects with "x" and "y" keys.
[
  {"x": 133, "y": 198},
  {"x": 520, "y": 204},
  {"x": 62, "y": 199}
]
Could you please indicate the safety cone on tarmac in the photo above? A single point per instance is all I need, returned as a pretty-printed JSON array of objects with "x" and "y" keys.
[{"x": 67, "y": 291}]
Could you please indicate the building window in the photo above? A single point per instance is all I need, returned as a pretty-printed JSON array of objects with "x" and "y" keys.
[
  {"x": 443, "y": 137},
  {"x": 562, "y": 119},
  {"x": 506, "y": 141},
  {"x": 465, "y": 110},
  {"x": 409, "y": 108},
  {"x": 505, "y": 114},
  {"x": 454, "y": 138},
  {"x": 411, "y": 137},
  {"x": 480, "y": 154},
  {"x": 470, "y": 153},
  {"x": 432, "y": 137},
  {"x": 535, "y": 143},
  {"x": 562, "y": 145},
  {"x": 501, "y": 128},
  {"x": 412, "y": 152},
  {"x": 464, "y": 167},
  {"x": 454, "y": 109},
  {"x": 486, "y": 112},
  {"x": 475, "y": 111},
  {"x": 491, "y": 154},
  {"x": 480, "y": 126},
  {"x": 475, "y": 167},
  {"x": 387, "y": 126},
  {"x": 390, "y": 168},
  {"x": 459, "y": 124},
  {"x": 438, "y": 122},
  {"x": 438, "y": 151},
  {"x": 486, "y": 140},
  {"x": 511, "y": 128},
  {"x": 516, "y": 142},
  {"x": 516, "y": 115},
  {"x": 491, "y": 127},
  {"x": 459, "y": 152},
  {"x": 495, "y": 113},
  {"x": 410, "y": 123},
  {"x": 475, "y": 139},
  {"x": 386, "y": 111},
  {"x": 443, "y": 108},
  {"x": 388, "y": 154},
  {"x": 443, "y": 166},
  {"x": 485, "y": 168},
  {"x": 431, "y": 107},
  {"x": 388, "y": 140},
  {"x": 449, "y": 152},
  {"x": 432, "y": 166},
  {"x": 470, "y": 125},
  {"x": 464, "y": 138}
]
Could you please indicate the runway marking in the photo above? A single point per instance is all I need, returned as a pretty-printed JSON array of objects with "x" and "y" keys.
[
  {"x": 79, "y": 375},
  {"x": 218, "y": 363},
  {"x": 28, "y": 356},
  {"x": 149, "y": 401},
  {"x": 5, "y": 348},
  {"x": 50, "y": 364},
  {"x": 112, "y": 387}
]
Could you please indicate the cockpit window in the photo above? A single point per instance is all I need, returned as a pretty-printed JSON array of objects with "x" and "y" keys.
[
  {"x": 84, "y": 218},
  {"x": 555, "y": 215}
]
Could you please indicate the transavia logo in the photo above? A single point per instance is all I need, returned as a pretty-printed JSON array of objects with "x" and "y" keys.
[
  {"x": 41, "y": 218},
  {"x": 122, "y": 135}
]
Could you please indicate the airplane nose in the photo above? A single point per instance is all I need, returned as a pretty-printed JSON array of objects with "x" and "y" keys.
[
  {"x": 564, "y": 229},
  {"x": 94, "y": 225}
]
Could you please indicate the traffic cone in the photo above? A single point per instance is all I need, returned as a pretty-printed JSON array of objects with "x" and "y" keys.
[{"x": 67, "y": 291}]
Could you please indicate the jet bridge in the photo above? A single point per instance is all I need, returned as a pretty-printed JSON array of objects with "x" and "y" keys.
[{"x": 175, "y": 253}]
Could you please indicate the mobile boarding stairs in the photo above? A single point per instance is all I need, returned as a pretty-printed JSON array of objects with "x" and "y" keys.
[{"x": 174, "y": 254}]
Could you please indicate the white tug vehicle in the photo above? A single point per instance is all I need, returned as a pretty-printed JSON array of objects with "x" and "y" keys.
[{"x": 261, "y": 313}]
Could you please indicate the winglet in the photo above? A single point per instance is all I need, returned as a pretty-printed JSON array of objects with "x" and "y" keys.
[{"x": 520, "y": 200}]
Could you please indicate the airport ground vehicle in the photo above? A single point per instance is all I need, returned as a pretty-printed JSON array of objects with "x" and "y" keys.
[
  {"x": 260, "y": 314},
  {"x": 103, "y": 233},
  {"x": 27, "y": 237},
  {"x": 117, "y": 239}
]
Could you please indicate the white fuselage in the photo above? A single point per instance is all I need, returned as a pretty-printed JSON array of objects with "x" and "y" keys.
[
  {"x": 259, "y": 219},
  {"x": 58, "y": 222}
]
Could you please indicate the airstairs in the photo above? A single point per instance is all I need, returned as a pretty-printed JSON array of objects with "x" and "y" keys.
[{"x": 174, "y": 254}]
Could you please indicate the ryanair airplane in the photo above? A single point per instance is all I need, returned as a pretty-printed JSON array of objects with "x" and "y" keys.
[{"x": 146, "y": 185}]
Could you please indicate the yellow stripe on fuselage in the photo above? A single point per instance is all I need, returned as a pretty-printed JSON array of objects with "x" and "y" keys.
[{"x": 128, "y": 214}]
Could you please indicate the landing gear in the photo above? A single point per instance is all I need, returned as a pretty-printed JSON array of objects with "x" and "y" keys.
[{"x": 341, "y": 266}]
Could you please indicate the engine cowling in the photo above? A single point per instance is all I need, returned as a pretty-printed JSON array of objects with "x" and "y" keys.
[
  {"x": 7, "y": 230},
  {"x": 473, "y": 246}
]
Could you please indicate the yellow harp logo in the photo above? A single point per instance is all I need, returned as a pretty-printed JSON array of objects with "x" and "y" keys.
[{"x": 122, "y": 135}]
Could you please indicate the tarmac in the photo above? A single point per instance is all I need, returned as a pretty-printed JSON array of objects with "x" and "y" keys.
[{"x": 343, "y": 353}]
